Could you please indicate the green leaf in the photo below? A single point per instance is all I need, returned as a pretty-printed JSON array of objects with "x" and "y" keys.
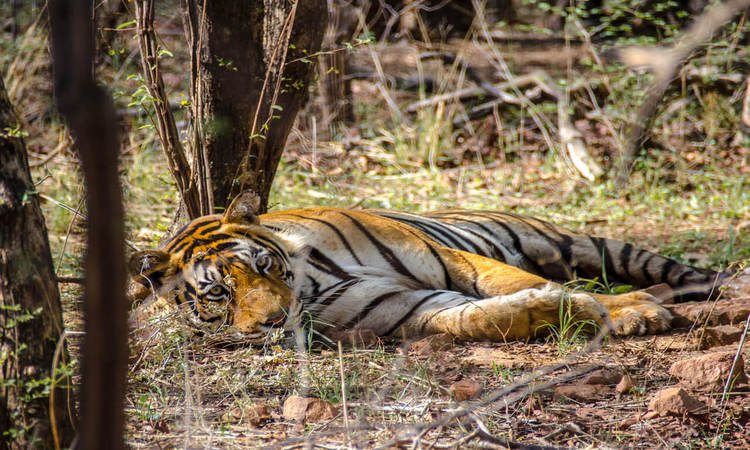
[{"x": 126, "y": 24}]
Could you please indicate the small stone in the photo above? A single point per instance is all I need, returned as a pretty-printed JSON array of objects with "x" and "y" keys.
[
  {"x": 465, "y": 389},
  {"x": 720, "y": 335},
  {"x": 257, "y": 415},
  {"x": 709, "y": 372},
  {"x": 431, "y": 344},
  {"x": 308, "y": 409},
  {"x": 581, "y": 392},
  {"x": 625, "y": 385},
  {"x": 628, "y": 422},
  {"x": 675, "y": 401},
  {"x": 606, "y": 376}
]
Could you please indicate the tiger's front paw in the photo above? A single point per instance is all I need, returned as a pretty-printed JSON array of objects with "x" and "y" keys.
[{"x": 640, "y": 319}]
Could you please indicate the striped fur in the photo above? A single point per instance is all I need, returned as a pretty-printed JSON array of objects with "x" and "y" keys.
[{"x": 475, "y": 274}]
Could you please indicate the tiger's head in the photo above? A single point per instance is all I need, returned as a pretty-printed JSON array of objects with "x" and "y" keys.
[{"x": 226, "y": 269}]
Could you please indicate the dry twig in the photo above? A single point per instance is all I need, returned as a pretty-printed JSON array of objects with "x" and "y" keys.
[{"x": 167, "y": 128}]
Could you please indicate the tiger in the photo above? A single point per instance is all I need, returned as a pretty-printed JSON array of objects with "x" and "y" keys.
[{"x": 476, "y": 275}]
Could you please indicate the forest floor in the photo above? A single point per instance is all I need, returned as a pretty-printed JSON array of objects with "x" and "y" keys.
[{"x": 688, "y": 198}]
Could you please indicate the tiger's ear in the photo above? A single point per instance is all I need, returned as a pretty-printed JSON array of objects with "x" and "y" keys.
[
  {"x": 244, "y": 208},
  {"x": 145, "y": 266}
]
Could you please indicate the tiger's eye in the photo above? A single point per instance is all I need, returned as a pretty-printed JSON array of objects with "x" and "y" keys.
[{"x": 216, "y": 290}]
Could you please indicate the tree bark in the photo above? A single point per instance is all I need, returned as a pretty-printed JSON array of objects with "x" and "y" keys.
[
  {"x": 92, "y": 120},
  {"x": 30, "y": 313},
  {"x": 250, "y": 76}
]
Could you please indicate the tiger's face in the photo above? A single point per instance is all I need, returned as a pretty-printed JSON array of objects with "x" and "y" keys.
[{"x": 226, "y": 270}]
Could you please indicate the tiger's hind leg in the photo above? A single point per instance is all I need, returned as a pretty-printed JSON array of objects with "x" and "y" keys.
[{"x": 520, "y": 315}]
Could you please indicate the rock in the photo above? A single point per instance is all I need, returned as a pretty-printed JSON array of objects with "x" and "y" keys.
[
  {"x": 625, "y": 385},
  {"x": 431, "y": 344},
  {"x": 606, "y": 376},
  {"x": 360, "y": 338},
  {"x": 308, "y": 409},
  {"x": 709, "y": 372},
  {"x": 720, "y": 335},
  {"x": 723, "y": 312},
  {"x": 257, "y": 415},
  {"x": 739, "y": 286},
  {"x": 581, "y": 392},
  {"x": 465, "y": 389},
  {"x": 675, "y": 401}
]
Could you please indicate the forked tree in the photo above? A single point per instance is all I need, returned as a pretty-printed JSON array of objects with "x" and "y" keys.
[
  {"x": 30, "y": 313},
  {"x": 250, "y": 69}
]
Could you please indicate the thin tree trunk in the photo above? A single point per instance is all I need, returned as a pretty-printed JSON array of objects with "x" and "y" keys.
[
  {"x": 91, "y": 116},
  {"x": 30, "y": 312},
  {"x": 250, "y": 77}
]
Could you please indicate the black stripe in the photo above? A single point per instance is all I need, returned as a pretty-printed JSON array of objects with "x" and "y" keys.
[
  {"x": 374, "y": 303},
  {"x": 681, "y": 279},
  {"x": 603, "y": 253},
  {"x": 563, "y": 248},
  {"x": 625, "y": 261},
  {"x": 341, "y": 290},
  {"x": 668, "y": 265},
  {"x": 441, "y": 233},
  {"x": 189, "y": 234},
  {"x": 496, "y": 253},
  {"x": 536, "y": 268},
  {"x": 335, "y": 230},
  {"x": 448, "y": 281},
  {"x": 315, "y": 285},
  {"x": 326, "y": 265},
  {"x": 411, "y": 311},
  {"x": 384, "y": 251},
  {"x": 644, "y": 267},
  {"x": 224, "y": 246}
]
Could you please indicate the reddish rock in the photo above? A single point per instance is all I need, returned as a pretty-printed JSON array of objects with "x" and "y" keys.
[
  {"x": 723, "y": 312},
  {"x": 709, "y": 372},
  {"x": 465, "y": 389},
  {"x": 625, "y": 385},
  {"x": 432, "y": 344},
  {"x": 606, "y": 376},
  {"x": 581, "y": 392},
  {"x": 675, "y": 401},
  {"x": 308, "y": 409},
  {"x": 717, "y": 336},
  {"x": 739, "y": 286},
  {"x": 257, "y": 415}
]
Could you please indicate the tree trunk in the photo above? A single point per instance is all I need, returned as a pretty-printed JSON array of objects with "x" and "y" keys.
[
  {"x": 91, "y": 116},
  {"x": 30, "y": 312},
  {"x": 250, "y": 76}
]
